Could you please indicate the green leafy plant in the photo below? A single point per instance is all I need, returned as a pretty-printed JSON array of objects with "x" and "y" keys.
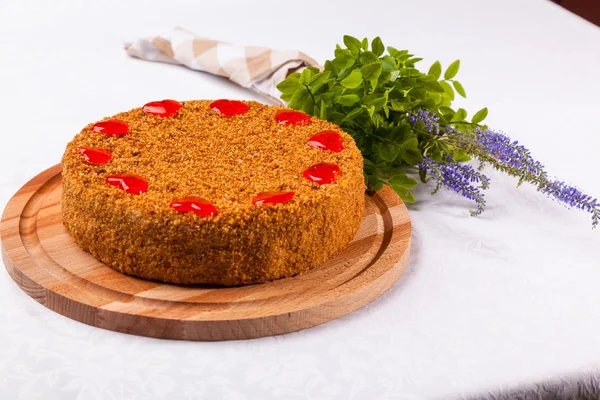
[
  {"x": 371, "y": 93},
  {"x": 403, "y": 123}
]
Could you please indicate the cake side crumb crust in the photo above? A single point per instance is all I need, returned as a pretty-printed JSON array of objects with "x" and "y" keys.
[{"x": 227, "y": 161}]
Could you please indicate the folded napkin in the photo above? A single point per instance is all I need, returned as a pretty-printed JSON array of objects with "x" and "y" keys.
[{"x": 256, "y": 68}]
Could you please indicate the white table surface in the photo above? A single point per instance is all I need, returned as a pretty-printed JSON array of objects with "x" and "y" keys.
[{"x": 486, "y": 303}]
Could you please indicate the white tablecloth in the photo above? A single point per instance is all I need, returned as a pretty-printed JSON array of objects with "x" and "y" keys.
[{"x": 486, "y": 304}]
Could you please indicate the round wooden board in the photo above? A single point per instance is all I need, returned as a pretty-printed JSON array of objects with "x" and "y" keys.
[{"x": 42, "y": 258}]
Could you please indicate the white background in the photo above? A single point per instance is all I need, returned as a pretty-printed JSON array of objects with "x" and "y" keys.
[{"x": 487, "y": 303}]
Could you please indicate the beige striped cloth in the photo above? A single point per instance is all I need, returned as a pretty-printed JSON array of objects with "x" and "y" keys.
[{"x": 256, "y": 68}]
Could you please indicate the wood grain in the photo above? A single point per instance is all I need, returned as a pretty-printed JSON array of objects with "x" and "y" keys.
[{"x": 43, "y": 260}]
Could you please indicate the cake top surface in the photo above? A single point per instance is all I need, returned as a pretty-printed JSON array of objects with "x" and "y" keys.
[{"x": 200, "y": 151}]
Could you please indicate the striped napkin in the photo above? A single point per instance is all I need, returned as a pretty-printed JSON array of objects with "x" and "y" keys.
[{"x": 256, "y": 68}]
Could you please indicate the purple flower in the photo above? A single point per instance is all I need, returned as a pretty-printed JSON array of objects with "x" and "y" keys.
[
  {"x": 511, "y": 157},
  {"x": 503, "y": 154},
  {"x": 507, "y": 152},
  {"x": 458, "y": 177},
  {"x": 429, "y": 120},
  {"x": 572, "y": 197}
]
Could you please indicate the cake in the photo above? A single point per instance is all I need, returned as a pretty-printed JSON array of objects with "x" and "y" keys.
[{"x": 212, "y": 192}]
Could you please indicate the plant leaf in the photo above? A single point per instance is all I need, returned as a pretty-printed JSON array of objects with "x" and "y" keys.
[
  {"x": 459, "y": 88},
  {"x": 375, "y": 99},
  {"x": 289, "y": 85},
  {"x": 353, "y": 80},
  {"x": 452, "y": 70},
  {"x": 348, "y": 100},
  {"x": 309, "y": 105},
  {"x": 319, "y": 80},
  {"x": 353, "y": 44},
  {"x": 402, "y": 180},
  {"x": 367, "y": 57},
  {"x": 404, "y": 193},
  {"x": 460, "y": 115},
  {"x": 389, "y": 151},
  {"x": 371, "y": 71},
  {"x": 369, "y": 166},
  {"x": 448, "y": 91},
  {"x": 342, "y": 61},
  {"x": 384, "y": 77},
  {"x": 353, "y": 114},
  {"x": 410, "y": 152},
  {"x": 389, "y": 63},
  {"x": 480, "y": 115},
  {"x": 377, "y": 46},
  {"x": 299, "y": 98},
  {"x": 323, "y": 111},
  {"x": 435, "y": 70},
  {"x": 305, "y": 76},
  {"x": 328, "y": 66},
  {"x": 433, "y": 86}
]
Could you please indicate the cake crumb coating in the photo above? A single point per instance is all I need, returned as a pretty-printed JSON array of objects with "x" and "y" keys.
[{"x": 228, "y": 161}]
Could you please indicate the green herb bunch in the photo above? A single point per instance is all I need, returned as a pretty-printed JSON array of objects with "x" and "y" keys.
[
  {"x": 402, "y": 121},
  {"x": 371, "y": 94}
]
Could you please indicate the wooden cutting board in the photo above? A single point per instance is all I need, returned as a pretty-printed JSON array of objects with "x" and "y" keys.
[{"x": 42, "y": 258}]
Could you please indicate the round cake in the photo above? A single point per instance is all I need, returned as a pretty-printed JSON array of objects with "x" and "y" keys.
[{"x": 215, "y": 192}]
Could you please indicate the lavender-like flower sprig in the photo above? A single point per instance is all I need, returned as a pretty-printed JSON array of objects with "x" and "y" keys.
[
  {"x": 506, "y": 152},
  {"x": 572, "y": 197},
  {"x": 509, "y": 156},
  {"x": 502, "y": 153},
  {"x": 429, "y": 120},
  {"x": 458, "y": 177}
]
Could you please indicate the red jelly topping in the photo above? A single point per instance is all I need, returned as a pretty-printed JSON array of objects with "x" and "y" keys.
[
  {"x": 194, "y": 204},
  {"x": 322, "y": 173},
  {"x": 94, "y": 156},
  {"x": 111, "y": 126},
  {"x": 292, "y": 118},
  {"x": 164, "y": 108},
  {"x": 130, "y": 183},
  {"x": 327, "y": 140},
  {"x": 229, "y": 108},
  {"x": 272, "y": 198}
]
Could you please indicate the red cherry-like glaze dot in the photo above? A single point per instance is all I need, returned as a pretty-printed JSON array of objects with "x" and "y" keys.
[
  {"x": 194, "y": 204},
  {"x": 322, "y": 173},
  {"x": 111, "y": 126},
  {"x": 164, "y": 108},
  {"x": 129, "y": 183},
  {"x": 292, "y": 118},
  {"x": 94, "y": 156},
  {"x": 229, "y": 108},
  {"x": 272, "y": 198},
  {"x": 327, "y": 140}
]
